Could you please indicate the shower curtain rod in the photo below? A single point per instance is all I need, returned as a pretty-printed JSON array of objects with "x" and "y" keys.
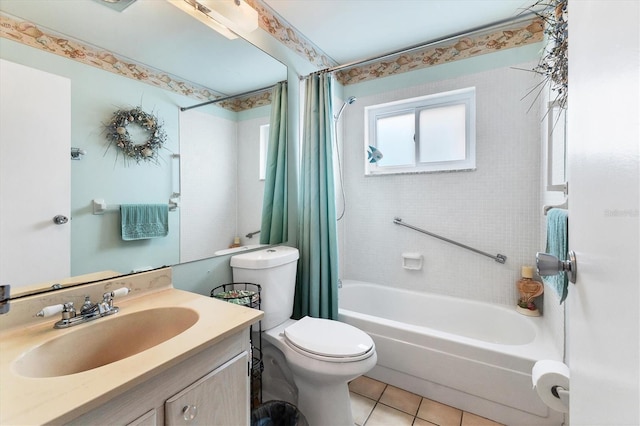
[
  {"x": 522, "y": 17},
  {"x": 226, "y": 98}
]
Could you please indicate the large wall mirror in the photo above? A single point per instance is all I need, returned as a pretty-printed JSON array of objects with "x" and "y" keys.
[{"x": 153, "y": 56}]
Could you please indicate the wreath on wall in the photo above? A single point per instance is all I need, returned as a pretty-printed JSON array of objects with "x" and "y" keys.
[{"x": 137, "y": 150}]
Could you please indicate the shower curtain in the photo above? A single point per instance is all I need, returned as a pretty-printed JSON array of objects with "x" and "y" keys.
[
  {"x": 317, "y": 279},
  {"x": 273, "y": 229}
]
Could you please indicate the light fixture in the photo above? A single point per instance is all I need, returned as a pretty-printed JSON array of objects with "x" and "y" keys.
[{"x": 227, "y": 17}]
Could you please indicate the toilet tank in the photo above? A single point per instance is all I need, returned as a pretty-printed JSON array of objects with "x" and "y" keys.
[{"x": 275, "y": 270}]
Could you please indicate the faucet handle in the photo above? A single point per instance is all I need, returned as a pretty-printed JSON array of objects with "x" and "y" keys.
[
  {"x": 120, "y": 292},
  {"x": 68, "y": 311},
  {"x": 47, "y": 311},
  {"x": 108, "y": 296}
]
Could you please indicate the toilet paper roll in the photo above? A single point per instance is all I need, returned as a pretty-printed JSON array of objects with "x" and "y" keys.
[{"x": 548, "y": 377}]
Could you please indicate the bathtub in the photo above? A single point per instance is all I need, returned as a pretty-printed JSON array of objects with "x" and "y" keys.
[{"x": 471, "y": 355}]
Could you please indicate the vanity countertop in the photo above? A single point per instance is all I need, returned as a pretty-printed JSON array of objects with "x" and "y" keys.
[{"x": 26, "y": 400}]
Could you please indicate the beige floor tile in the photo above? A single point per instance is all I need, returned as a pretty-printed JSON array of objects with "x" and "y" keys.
[
  {"x": 469, "y": 419},
  {"x": 419, "y": 422},
  {"x": 387, "y": 416},
  {"x": 368, "y": 387},
  {"x": 401, "y": 399},
  {"x": 361, "y": 408},
  {"x": 439, "y": 414}
]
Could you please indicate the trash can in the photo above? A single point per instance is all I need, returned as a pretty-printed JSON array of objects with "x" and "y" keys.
[{"x": 277, "y": 413}]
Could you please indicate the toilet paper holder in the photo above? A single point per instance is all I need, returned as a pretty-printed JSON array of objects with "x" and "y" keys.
[{"x": 561, "y": 393}]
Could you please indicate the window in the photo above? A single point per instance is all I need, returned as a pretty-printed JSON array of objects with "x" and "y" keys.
[
  {"x": 426, "y": 134},
  {"x": 264, "y": 146}
]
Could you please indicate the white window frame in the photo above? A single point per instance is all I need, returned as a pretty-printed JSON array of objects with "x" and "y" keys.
[
  {"x": 465, "y": 96},
  {"x": 264, "y": 149}
]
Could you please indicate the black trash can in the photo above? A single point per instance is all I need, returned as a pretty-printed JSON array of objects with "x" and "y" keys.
[{"x": 277, "y": 413}]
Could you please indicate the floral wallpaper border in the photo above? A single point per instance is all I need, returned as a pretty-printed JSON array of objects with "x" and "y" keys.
[
  {"x": 286, "y": 34},
  {"x": 505, "y": 37},
  {"x": 41, "y": 38},
  {"x": 508, "y": 36}
]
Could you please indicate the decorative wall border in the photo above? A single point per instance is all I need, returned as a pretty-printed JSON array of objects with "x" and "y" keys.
[
  {"x": 501, "y": 38},
  {"x": 289, "y": 36},
  {"x": 38, "y": 37},
  {"x": 506, "y": 37}
]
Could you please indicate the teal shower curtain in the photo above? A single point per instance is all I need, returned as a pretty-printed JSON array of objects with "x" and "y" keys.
[
  {"x": 317, "y": 280},
  {"x": 273, "y": 229}
]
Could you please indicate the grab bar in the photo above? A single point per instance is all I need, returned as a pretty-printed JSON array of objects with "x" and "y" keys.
[
  {"x": 251, "y": 234},
  {"x": 500, "y": 258}
]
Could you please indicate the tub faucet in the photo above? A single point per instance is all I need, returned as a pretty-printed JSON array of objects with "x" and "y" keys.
[
  {"x": 251, "y": 234},
  {"x": 88, "y": 312}
]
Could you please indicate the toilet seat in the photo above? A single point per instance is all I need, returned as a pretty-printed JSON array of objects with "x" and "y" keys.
[{"x": 328, "y": 340}]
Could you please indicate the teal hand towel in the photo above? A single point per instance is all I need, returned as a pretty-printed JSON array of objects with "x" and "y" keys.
[
  {"x": 143, "y": 221},
  {"x": 558, "y": 245}
]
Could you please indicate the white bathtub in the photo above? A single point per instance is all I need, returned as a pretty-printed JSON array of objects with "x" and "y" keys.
[{"x": 471, "y": 355}]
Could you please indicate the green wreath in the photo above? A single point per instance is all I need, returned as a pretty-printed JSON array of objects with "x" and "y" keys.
[{"x": 118, "y": 135}]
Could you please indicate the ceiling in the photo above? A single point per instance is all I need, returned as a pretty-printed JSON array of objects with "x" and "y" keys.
[
  {"x": 156, "y": 33},
  {"x": 351, "y": 30}
]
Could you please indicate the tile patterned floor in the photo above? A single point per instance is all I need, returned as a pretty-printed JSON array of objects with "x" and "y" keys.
[{"x": 378, "y": 404}]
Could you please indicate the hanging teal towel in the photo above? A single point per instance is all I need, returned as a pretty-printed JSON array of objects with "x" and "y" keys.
[
  {"x": 143, "y": 221},
  {"x": 558, "y": 245}
]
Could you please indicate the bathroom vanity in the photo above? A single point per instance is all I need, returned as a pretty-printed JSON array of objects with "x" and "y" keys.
[{"x": 167, "y": 357}]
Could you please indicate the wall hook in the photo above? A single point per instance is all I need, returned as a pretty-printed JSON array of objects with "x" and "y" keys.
[
  {"x": 548, "y": 264},
  {"x": 77, "y": 153}
]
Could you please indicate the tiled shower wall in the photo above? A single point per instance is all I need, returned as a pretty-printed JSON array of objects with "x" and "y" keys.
[{"x": 495, "y": 208}]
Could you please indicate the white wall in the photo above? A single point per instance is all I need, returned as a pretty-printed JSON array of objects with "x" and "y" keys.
[
  {"x": 208, "y": 159},
  {"x": 495, "y": 208},
  {"x": 250, "y": 187}
]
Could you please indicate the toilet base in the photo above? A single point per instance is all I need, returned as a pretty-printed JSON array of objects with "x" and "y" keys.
[
  {"x": 277, "y": 380},
  {"x": 324, "y": 405}
]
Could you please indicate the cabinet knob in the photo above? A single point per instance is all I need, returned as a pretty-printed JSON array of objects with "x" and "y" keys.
[{"x": 189, "y": 412}]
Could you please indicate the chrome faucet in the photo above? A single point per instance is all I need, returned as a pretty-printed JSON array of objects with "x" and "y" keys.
[
  {"x": 88, "y": 312},
  {"x": 5, "y": 296}
]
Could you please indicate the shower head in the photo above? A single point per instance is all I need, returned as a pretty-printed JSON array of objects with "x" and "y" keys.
[{"x": 349, "y": 101}]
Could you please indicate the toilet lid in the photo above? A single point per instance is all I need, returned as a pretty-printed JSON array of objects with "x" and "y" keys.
[{"x": 328, "y": 338}]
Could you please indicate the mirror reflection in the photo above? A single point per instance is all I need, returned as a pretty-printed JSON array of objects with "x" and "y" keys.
[{"x": 114, "y": 61}]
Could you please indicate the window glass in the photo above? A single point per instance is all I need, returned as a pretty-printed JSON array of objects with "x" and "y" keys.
[
  {"x": 264, "y": 146},
  {"x": 442, "y": 134},
  {"x": 424, "y": 134},
  {"x": 395, "y": 138}
]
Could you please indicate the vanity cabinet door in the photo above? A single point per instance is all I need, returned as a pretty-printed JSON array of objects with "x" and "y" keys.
[
  {"x": 147, "y": 419},
  {"x": 219, "y": 398}
]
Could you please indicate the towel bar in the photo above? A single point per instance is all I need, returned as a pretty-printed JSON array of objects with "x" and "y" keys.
[
  {"x": 100, "y": 206},
  {"x": 500, "y": 258},
  {"x": 563, "y": 205}
]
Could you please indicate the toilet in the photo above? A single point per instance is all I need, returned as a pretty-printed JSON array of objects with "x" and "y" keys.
[{"x": 307, "y": 362}]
